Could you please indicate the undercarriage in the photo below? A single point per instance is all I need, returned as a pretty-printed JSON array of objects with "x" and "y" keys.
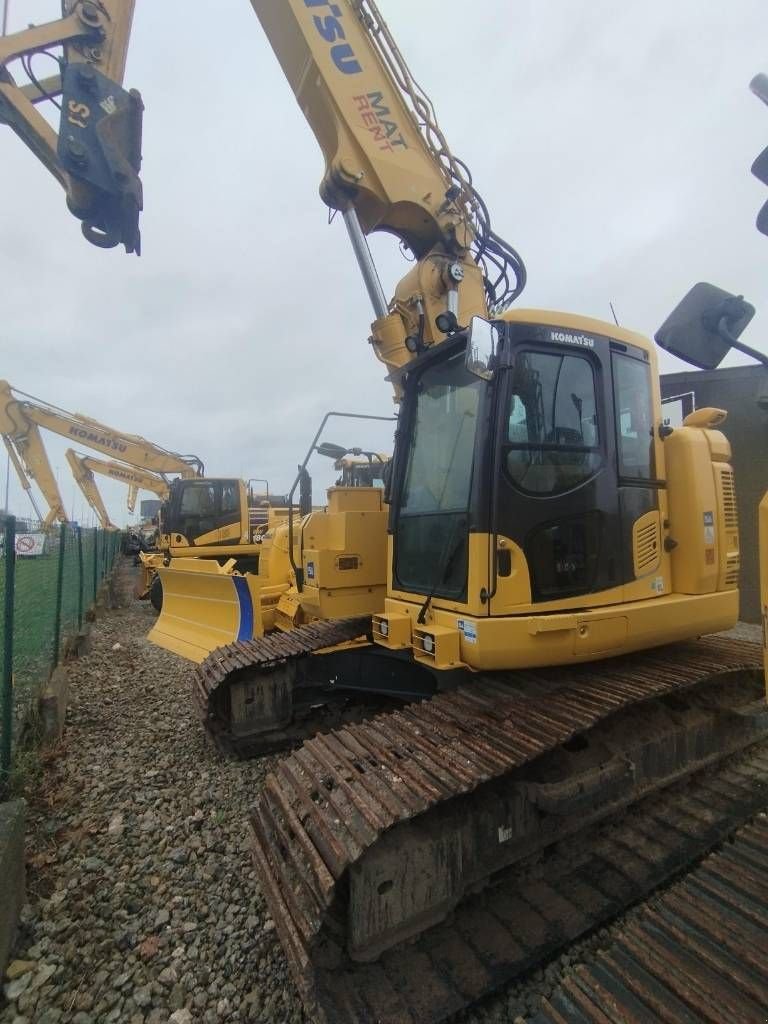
[{"x": 372, "y": 840}]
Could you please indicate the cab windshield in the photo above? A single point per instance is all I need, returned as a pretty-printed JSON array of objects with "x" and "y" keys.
[{"x": 432, "y": 529}]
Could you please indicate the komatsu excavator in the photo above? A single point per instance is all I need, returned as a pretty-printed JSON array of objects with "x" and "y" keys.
[
  {"x": 203, "y": 517},
  {"x": 554, "y": 553}
]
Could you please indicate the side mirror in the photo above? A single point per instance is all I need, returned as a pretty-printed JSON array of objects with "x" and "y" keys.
[
  {"x": 759, "y": 86},
  {"x": 705, "y": 326},
  {"x": 331, "y": 451},
  {"x": 482, "y": 347}
]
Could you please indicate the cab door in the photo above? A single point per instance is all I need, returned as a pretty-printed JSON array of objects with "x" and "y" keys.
[{"x": 556, "y": 506}]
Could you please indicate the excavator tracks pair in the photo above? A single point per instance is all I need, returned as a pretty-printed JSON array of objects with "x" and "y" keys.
[
  {"x": 416, "y": 861},
  {"x": 391, "y": 852}
]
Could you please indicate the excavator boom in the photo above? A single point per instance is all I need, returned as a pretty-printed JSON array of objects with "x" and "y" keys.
[
  {"x": 341, "y": 63},
  {"x": 30, "y": 461},
  {"x": 22, "y": 476},
  {"x": 22, "y": 415},
  {"x": 134, "y": 478}
]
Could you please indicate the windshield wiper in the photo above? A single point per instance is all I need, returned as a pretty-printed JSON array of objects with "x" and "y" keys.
[{"x": 421, "y": 618}]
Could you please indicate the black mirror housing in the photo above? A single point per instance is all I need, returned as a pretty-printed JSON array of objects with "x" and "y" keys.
[{"x": 699, "y": 328}]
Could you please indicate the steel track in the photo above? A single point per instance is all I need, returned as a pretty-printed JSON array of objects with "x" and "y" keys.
[
  {"x": 227, "y": 665},
  {"x": 699, "y": 955},
  {"x": 333, "y": 800}
]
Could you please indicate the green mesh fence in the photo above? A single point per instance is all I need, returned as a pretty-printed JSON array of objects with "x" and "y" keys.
[{"x": 48, "y": 581}]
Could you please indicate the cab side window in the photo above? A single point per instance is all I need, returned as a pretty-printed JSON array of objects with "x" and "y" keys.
[
  {"x": 634, "y": 417},
  {"x": 230, "y": 496}
]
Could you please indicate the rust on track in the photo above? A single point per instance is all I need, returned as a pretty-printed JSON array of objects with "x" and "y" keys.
[
  {"x": 333, "y": 800},
  {"x": 261, "y": 659},
  {"x": 698, "y": 956}
]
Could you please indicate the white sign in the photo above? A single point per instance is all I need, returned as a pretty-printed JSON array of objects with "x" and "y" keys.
[{"x": 29, "y": 544}]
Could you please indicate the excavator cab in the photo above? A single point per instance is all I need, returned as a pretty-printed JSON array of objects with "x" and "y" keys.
[
  {"x": 205, "y": 512},
  {"x": 539, "y": 509}
]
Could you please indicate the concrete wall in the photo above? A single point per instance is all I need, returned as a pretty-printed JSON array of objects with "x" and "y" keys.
[{"x": 743, "y": 392}]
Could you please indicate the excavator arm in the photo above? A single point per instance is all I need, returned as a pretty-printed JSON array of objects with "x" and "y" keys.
[
  {"x": 30, "y": 461},
  {"x": 23, "y": 478},
  {"x": 388, "y": 167},
  {"x": 85, "y": 481},
  {"x": 96, "y": 154},
  {"x": 22, "y": 416}
]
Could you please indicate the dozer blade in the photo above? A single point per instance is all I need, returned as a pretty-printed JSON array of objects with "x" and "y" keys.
[{"x": 206, "y": 605}]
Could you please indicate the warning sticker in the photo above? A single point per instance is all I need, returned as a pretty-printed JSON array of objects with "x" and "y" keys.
[
  {"x": 310, "y": 570},
  {"x": 469, "y": 629},
  {"x": 709, "y": 528}
]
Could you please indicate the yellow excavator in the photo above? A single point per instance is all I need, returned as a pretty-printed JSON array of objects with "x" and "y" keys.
[
  {"x": 554, "y": 552},
  {"x": 203, "y": 517}
]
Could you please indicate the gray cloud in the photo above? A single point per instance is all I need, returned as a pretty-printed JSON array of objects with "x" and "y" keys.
[{"x": 611, "y": 142}]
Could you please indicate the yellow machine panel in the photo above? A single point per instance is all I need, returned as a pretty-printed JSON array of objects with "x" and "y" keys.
[{"x": 343, "y": 555}]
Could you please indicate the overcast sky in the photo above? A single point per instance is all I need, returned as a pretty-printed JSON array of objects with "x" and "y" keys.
[{"x": 612, "y": 143}]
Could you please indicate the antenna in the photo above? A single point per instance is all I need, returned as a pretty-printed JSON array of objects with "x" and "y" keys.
[{"x": 613, "y": 313}]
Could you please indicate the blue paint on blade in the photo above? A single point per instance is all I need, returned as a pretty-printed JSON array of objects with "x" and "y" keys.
[{"x": 245, "y": 630}]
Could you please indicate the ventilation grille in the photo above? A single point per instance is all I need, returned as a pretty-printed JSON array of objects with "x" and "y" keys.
[
  {"x": 732, "y": 566},
  {"x": 647, "y": 544},
  {"x": 730, "y": 512},
  {"x": 345, "y": 562}
]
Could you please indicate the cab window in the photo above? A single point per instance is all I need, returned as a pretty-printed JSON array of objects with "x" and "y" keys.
[
  {"x": 230, "y": 496},
  {"x": 198, "y": 500},
  {"x": 553, "y": 434},
  {"x": 634, "y": 417}
]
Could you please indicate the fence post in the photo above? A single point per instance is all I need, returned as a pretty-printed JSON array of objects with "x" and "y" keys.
[
  {"x": 6, "y": 701},
  {"x": 79, "y": 533},
  {"x": 59, "y": 593},
  {"x": 95, "y": 563}
]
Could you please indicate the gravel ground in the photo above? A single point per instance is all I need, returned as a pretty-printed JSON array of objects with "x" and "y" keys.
[{"x": 143, "y": 905}]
